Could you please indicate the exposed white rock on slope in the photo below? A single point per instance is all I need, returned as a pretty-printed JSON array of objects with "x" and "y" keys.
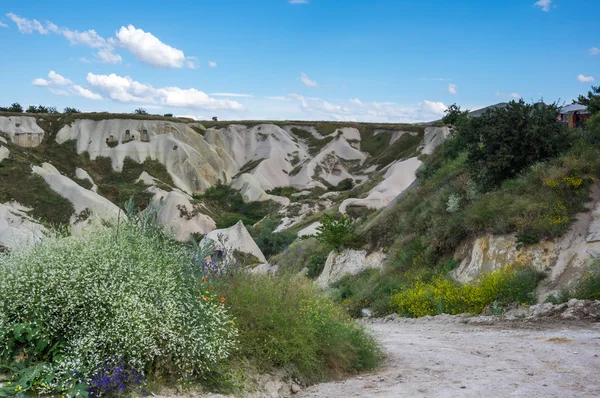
[
  {"x": 348, "y": 262},
  {"x": 349, "y": 133},
  {"x": 176, "y": 212},
  {"x": 310, "y": 129},
  {"x": 271, "y": 145},
  {"x": 83, "y": 175},
  {"x": 311, "y": 230},
  {"x": 397, "y": 178},
  {"x": 232, "y": 239},
  {"x": 193, "y": 164},
  {"x": 22, "y": 130},
  {"x": 564, "y": 260},
  {"x": 4, "y": 153},
  {"x": 433, "y": 137},
  {"x": 81, "y": 198},
  {"x": 16, "y": 227},
  {"x": 251, "y": 190},
  {"x": 328, "y": 164}
]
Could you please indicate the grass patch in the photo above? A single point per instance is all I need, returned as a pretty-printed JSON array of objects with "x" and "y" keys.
[
  {"x": 226, "y": 206},
  {"x": 289, "y": 324},
  {"x": 315, "y": 145}
]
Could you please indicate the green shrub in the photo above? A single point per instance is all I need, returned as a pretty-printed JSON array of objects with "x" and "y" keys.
[
  {"x": 302, "y": 253},
  {"x": 503, "y": 141},
  {"x": 288, "y": 323},
  {"x": 510, "y": 284},
  {"x": 336, "y": 233},
  {"x": 589, "y": 287},
  {"x": 270, "y": 242},
  {"x": 77, "y": 310}
]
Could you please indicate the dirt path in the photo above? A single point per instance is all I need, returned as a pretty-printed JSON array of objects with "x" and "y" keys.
[{"x": 444, "y": 357}]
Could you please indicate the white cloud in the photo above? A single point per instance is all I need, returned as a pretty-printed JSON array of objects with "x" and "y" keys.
[
  {"x": 594, "y": 51},
  {"x": 125, "y": 89},
  {"x": 54, "y": 80},
  {"x": 143, "y": 45},
  {"x": 516, "y": 95},
  {"x": 353, "y": 110},
  {"x": 307, "y": 81},
  {"x": 212, "y": 64},
  {"x": 585, "y": 79},
  {"x": 85, "y": 93},
  {"x": 40, "y": 82},
  {"x": 148, "y": 49},
  {"x": 543, "y": 4},
  {"x": 27, "y": 26},
  {"x": 58, "y": 79},
  {"x": 436, "y": 108},
  {"x": 3, "y": 25},
  {"x": 298, "y": 1},
  {"x": 232, "y": 95},
  {"x": 452, "y": 88}
]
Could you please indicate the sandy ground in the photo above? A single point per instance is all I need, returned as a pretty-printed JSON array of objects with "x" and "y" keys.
[{"x": 444, "y": 357}]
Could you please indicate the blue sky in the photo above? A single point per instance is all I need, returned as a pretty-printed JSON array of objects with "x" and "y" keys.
[{"x": 364, "y": 60}]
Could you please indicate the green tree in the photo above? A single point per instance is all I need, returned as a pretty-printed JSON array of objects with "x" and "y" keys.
[
  {"x": 336, "y": 233},
  {"x": 140, "y": 111},
  {"x": 270, "y": 242},
  {"x": 504, "y": 141},
  {"x": 68, "y": 109},
  {"x": 454, "y": 115},
  {"x": 15, "y": 107},
  {"x": 592, "y": 100}
]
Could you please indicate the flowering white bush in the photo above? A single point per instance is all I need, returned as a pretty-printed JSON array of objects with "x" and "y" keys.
[{"x": 118, "y": 301}]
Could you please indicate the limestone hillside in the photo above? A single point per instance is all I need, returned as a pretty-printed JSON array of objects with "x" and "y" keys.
[{"x": 68, "y": 169}]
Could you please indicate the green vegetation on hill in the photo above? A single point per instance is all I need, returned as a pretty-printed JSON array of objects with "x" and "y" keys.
[
  {"x": 511, "y": 170},
  {"x": 226, "y": 206}
]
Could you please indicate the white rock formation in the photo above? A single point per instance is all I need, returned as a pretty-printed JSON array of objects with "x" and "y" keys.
[
  {"x": 22, "y": 130},
  {"x": 311, "y": 230},
  {"x": 396, "y": 134},
  {"x": 251, "y": 190},
  {"x": 397, "y": 178},
  {"x": 434, "y": 136},
  {"x": 348, "y": 262},
  {"x": 81, "y": 198},
  {"x": 193, "y": 164},
  {"x": 235, "y": 238},
  {"x": 17, "y": 228},
  {"x": 3, "y": 140},
  {"x": 268, "y": 144},
  {"x": 4, "y": 153},
  {"x": 83, "y": 175},
  {"x": 564, "y": 260},
  {"x": 177, "y": 213}
]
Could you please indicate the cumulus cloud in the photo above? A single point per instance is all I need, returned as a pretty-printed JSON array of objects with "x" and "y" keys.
[
  {"x": 54, "y": 79},
  {"x": 585, "y": 79},
  {"x": 212, "y": 64},
  {"x": 144, "y": 46},
  {"x": 543, "y": 4},
  {"x": 125, "y": 89},
  {"x": 148, "y": 49},
  {"x": 307, "y": 81},
  {"x": 594, "y": 51},
  {"x": 85, "y": 93},
  {"x": 452, "y": 88},
  {"x": 356, "y": 101},
  {"x": 3, "y": 25}
]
